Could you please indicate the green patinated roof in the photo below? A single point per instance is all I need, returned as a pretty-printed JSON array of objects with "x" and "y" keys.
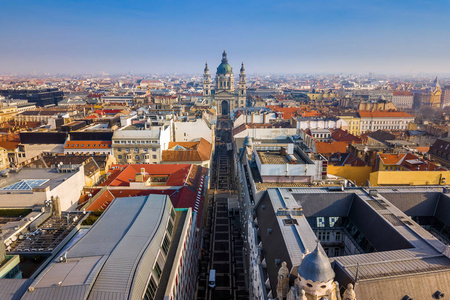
[{"x": 224, "y": 68}]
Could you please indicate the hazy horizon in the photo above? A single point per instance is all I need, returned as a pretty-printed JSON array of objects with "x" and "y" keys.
[{"x": 282, "y": 37}]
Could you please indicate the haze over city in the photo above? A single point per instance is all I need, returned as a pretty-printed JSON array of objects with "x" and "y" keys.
[
  {"x": 179, "y": 36},
  {"x": 224, "y": 150}
]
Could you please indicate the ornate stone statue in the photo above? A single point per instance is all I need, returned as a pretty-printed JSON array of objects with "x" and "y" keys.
[
  {"x": 349, "y": 293},
  {"x": 296, "y": 293},
  {"x": 283, "y": 282}
]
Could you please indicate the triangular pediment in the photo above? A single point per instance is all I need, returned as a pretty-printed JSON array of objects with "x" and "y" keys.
[{"x": 224, "y": 93}]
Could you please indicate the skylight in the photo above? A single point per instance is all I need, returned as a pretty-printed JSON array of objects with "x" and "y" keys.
[{"x": 25, "y": 185}]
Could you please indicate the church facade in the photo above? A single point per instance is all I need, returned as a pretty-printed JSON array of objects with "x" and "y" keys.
[{"x": 224, "y": 96}]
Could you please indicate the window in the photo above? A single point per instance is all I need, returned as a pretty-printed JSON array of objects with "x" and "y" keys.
[
  {"x": 154, "y": 156},
  {"x": 157, "y": 270},
  {"x": 170, "y": 227},
  {"x": 320, "y": 221},
  {"x": 337, "y": 251},
  {"x": 137, "y": 157},
  {"x": 172, "y": 214},
  {"x": 136, "y": 150},
  {"x": 119, "y": 156},
  {"x": 128, "y": 150},
  {"x": 166, "y": 244},
  {"x": 154, "y": 149},
  {"x": 151, "y": 290},
  {"x": 333, "y": 221},
  {"x": 338, "y": 236},
  {"x": 119, "y": 149}
]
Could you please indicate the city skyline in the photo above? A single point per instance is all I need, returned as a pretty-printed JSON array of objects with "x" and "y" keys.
[{"x": 175, "y": 37}]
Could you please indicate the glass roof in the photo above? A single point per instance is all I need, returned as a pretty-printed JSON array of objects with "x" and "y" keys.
[{"x": 25, "y": 185}]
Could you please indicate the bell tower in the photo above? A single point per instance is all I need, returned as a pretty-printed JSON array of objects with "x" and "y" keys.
[
  {"x": 242, "y": 87},
  {"x": 206, "y": 82}
]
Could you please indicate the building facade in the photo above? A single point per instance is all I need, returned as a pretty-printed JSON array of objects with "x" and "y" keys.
[
  {"x": 140, "y": 146},
  {"x": 384, "y": 120},
  {"x": 403, "y": 99}
]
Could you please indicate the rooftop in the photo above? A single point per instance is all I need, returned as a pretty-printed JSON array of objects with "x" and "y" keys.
[
  {"x": 92, "y": 264},
  {"x": 187, "y": 151}
]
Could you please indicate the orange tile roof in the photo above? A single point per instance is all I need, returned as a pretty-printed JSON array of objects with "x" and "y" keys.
[
  {"x": 195, "y": 151},
  {"x": 384, "y": 114},
  {"x": 286, "y": 112},
  {"x": 422, "y": 149},
  {"x": 409, "y": 161},
  {"x": 87, "y": 145},
  {"x": 331, "y": 147},
  {"x": 9, "y": 145},
  {"x": 313, "y": 113}
]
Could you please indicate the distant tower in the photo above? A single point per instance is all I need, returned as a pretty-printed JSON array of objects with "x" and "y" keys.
[
  {"x": 242, "y": 86},
  {"x": 436, "y": 95},
  {"x": 224, "y": 75},
  {"x": 206, "y": 82}
]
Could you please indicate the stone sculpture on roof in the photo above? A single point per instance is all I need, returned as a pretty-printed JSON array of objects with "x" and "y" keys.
[{"x": 315, "y": 279}]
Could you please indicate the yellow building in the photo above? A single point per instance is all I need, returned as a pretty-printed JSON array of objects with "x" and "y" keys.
[
  {"x": 354, "y": 124},
  {"x": 322, "y": 96},
  {"x": 407, "y": 169},
  {"x": 408, "y": 178},
  {"x": 7, "y": 113},
  {"x": 356, "y": 174},
  {"x": 377, "y": 106}
]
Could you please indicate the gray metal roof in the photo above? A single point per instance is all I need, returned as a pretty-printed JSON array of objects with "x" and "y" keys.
[
  {"x": 12, "y": 289},
  {"x": 405, "y": 249},
  {"x": 118, "y": 251}
]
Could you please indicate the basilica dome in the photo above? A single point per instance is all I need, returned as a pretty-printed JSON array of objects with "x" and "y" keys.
[{"x": 224, "y": 67}]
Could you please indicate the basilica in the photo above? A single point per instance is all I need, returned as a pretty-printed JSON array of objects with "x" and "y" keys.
[{"x": 224, "y": 95}]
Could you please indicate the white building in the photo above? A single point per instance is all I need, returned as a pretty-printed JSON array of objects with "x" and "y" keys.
[
  {"x": 131, "y": 146},
  {"x": 402, "y": 99},
  {"x": 88, "y": 147},
  {"x": 188, "y": 131},
  {"x": 384, "y": 120},
  {"x": 30, "y": 187},
  {"x": 319, "y": 123},
  {"x": 127, "y": 100}
]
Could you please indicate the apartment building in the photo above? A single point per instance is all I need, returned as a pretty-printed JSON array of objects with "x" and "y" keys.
[
  {"x": 132, "y": 146},
  {"x": 384, "y": 120}
]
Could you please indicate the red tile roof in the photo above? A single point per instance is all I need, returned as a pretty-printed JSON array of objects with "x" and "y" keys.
[
  {"x": 87, "y": 145},
  {"x": 190, "y": 182},
  {"x": 340, "y": 135},
  {"x": 121, "y": 175}
]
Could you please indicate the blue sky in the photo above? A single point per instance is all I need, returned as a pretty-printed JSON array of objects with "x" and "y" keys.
[{"x": 167, "y": 36}]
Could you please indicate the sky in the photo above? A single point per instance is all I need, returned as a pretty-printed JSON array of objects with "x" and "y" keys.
[{"x": 277, "y": 36}]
